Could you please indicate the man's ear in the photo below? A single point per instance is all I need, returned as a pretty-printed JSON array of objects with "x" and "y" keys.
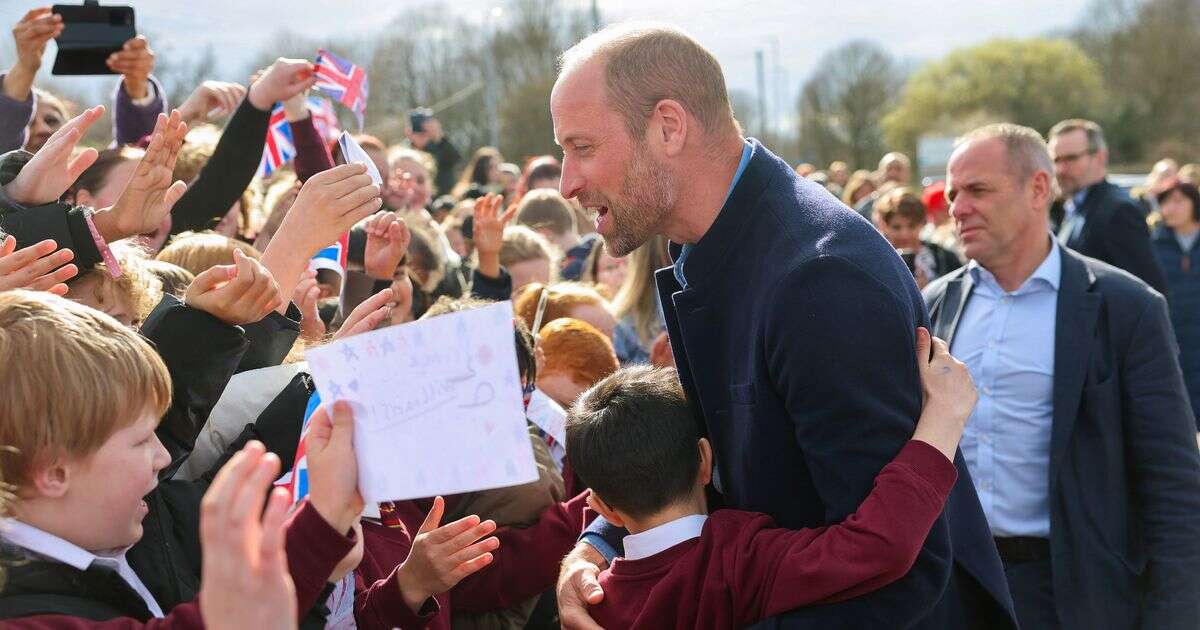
[
  {"x": 704, "y": 476},
  {"x": 668, "y": 128},
  {"x": 52, "y": 480},
  {"x": 605, "y": 510}
]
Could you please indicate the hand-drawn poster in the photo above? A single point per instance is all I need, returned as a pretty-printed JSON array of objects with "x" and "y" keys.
[{"x": 437, "y": 404}]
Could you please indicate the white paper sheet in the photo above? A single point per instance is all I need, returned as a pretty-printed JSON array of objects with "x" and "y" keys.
[
  {"x": 353, "y": 153},
  {"x": 438, "y": 405}
]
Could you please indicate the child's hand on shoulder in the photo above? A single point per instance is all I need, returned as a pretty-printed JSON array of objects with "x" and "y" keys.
[{"x": 949, "y": 394}]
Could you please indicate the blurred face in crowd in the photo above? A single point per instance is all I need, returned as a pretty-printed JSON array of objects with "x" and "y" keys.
[
  {"x": 1075, "y": 166},
  {"x": 109, "y": 486},
  {"x": 408, "y": 186},
  {"x": 610, "y": 172},
  {"x": 896, "y": 171},
  {"x": 114, "y": 184},
  {"x": 839, "y": 174},
  {"x": 528, "y": 272},
  {"x": 903, "y": 233},
  {"x": 1178, "y": 213},
  {"x": 996, "y": 214},
  {"x": 610, "y": 271},
  {"x": 47, "y": 118},
  {"x": 91, "y": 290}
]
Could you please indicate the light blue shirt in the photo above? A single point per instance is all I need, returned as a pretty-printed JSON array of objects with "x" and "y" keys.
[
  {"x": 1007, "y": 341},
  {"x": 747, "y": 153}
]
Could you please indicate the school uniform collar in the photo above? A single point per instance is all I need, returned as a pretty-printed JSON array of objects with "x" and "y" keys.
[
  {"x": 52, "y": 547},
  {"x": 658, "y": 539}
]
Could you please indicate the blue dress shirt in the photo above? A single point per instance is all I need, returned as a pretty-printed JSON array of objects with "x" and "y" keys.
[{"x": 1007, "y": 341}]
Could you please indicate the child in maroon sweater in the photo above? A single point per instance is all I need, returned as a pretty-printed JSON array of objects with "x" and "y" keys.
[{"x": 633, "y": 441}]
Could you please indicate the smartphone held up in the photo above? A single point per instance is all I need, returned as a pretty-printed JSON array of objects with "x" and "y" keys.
[{"x": 91, "y": 32}]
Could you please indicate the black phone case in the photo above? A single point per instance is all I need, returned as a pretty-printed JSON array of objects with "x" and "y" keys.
[{"x": 90, "y": 34}]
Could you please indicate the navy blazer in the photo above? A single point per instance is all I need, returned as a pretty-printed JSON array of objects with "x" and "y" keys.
[
  {"x": 796, "y": 344},
  {"x": 1114, "y": 231},
  {"x": 1124, "y": 467}
]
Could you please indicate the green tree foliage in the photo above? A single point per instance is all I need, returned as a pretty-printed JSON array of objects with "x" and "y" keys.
[{"x": 1034, "y": 82}]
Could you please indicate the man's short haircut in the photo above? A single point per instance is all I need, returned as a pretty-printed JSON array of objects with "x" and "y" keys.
[
  {"x": 647, "y": 63},
  {"x": 545, "y": 208},
  {"x": 633, "y": 440},
  {"x": 71, "y": 376},
  {"x": 902, "y": 203},
  {"x": 1093, "y": 131},
  {"x": 1027, "y": 152}
]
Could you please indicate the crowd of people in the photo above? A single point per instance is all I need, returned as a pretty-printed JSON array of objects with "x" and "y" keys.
[{"x": 808, "y": 398}]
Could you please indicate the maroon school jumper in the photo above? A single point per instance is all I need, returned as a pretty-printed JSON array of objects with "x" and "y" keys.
[
  {"x": 313, "y": 550},
  {"x": 525, "y": 564},
  {"x": 743, "y": 569}
]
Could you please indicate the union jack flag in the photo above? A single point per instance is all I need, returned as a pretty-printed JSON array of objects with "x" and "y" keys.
[
  {"x": 296, "y": 481},
  {"x": 324, "y": 118},
  {"x": 279, "y": 149},
  {"x": 333, "y": 257},
  {"x": 342, "y": 81}
]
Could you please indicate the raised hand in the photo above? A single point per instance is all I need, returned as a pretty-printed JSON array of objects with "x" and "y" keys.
[
  {"x": 52, "y": 170},
  {"x": 332, "y": 468},
  {"x": 135, "y": 62},
  {"x": 244, "y": 580},
  {"x": 329, "y": 203},
  {"x": 489, "y": 232},
  {"x": 241, "y": 293},
  {"x": 149, "y": 195},
  {"x": 307, "y": 297},
  {"x": 367, "y": 315},
  {"x": 387, "y": 242},
  {"x": 30, "y": 35},
  {"x": 442, "y": 556},
  {"x": 283, "y": 80},
  {"x": 211, "y": 99},
  {"x": 37, "y": 267}
]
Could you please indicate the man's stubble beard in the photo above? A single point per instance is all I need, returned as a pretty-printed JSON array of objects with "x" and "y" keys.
[{"x": 648, "y": 195}]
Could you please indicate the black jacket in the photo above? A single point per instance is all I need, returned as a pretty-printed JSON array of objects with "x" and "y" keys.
[
  {"x": 1124, "y": 467},
  {"x": 1114, "y": 231}
]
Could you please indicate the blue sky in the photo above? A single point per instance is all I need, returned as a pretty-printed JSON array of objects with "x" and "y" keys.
[{"x": 794, "y": 32}]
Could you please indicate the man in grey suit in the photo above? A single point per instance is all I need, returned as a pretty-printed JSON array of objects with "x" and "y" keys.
[{"x": 1082, "y": 447}]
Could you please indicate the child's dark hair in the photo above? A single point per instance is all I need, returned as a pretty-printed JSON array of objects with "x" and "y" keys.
[
  {"x": 632, "y": 440},
  {"x": 526, "y": 364}
]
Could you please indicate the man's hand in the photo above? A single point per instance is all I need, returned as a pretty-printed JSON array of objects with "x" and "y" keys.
[
  {"x": 241, "y": 293},
  {"x": 211, "y": 99},
  {"x": 244, "y": 581},
  {"x": 283, "y": 80},
  {"x": 579, "y": 588},
  {"x": 387, "y": 242},
  {"x": 442, "y": 556},
  {"x": 149, "y": 195},
  {"x": 489, "y": 232},
  {"x": 135, "y": 62},
  {"x": 30, "y": 36},
  {"x": 950, "y": 395},
  {"x": 332, "y": 468},
  {"x": 37, "y": 267},
  {"x": 52, "y": 170}
]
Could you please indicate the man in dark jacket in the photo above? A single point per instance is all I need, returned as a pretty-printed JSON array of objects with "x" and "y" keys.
[
  {"x": 792, "y": 321},
  {"x": 1100, "y": 220},
  {"x": 1082, "y": 446}
]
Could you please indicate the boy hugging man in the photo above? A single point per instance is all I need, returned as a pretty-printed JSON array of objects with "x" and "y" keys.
[{"x": 632, "y": 439}]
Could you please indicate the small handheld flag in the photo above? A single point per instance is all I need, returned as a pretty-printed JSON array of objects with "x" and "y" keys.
[
  {"x": 279, "y": 148},
  {"x": 343, "y": 81}
]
